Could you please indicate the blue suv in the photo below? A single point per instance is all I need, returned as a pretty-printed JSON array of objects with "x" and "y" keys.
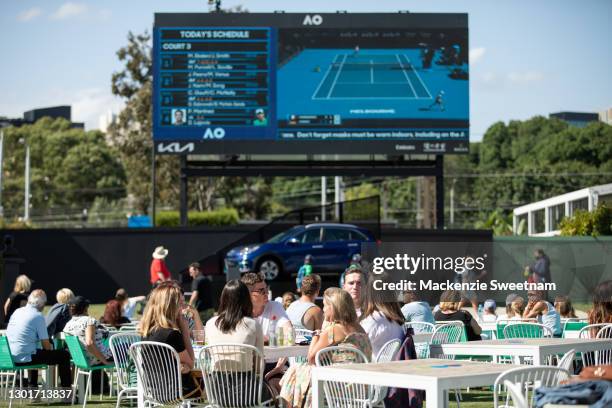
[{"x": 331, "y": 246}]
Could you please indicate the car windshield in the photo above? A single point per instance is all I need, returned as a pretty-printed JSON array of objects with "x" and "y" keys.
[{"x": 280, "y": 237}]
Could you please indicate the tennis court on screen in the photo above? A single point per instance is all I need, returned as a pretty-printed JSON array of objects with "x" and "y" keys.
[{"x": 380, "y": 76}]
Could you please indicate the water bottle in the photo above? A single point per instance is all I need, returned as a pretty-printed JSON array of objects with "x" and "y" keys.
[
  {"x": 289, "y": 336},
  {"x": 280, "y": 336},
  {"x": 480, "y": 312},
  {"x": 272, "y": 332}
]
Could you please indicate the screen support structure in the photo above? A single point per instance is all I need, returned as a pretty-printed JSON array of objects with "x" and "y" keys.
[{"x": 232, "y": 167}]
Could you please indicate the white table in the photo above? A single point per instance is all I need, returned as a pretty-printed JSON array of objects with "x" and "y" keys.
[
  {"x": 538, "y": 349},
  {"x": 435, "y": 376}
]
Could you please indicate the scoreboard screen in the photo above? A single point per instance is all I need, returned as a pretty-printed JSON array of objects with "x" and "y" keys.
[{"x": 286, "y": 83}]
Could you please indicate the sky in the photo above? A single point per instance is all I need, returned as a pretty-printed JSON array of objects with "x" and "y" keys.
[{"x": 527, "y": 57}]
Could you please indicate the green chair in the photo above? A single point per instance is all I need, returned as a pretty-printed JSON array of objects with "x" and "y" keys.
[
  {"x": 8, "y": 368},
  {"x": 81, "y": 363}
]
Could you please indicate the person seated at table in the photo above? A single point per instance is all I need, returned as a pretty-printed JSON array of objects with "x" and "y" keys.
[
  {"x": 287, "y": 299},
  {"x": 59, "y": 314},
  {"x": 602, "y": 304},
  {"x": 415, "y": 310},
  {"x": 382, "y": 320},
  {"x": 192, "y": 317},
  {"x": 128, "y": 304},
  {"x": 304, "y": 313},
  {"x": 353, "y": 280},
  {"x": 89, "y": 331},
  {"x": 450, "y": 303},
  {"x": 162, "y": 322},
  {"x": 564, "y": 307},
  {"x": 266, "y": 312},
  {"x": 26, "y": 332},
  {"x": 515, "y": 306},
  {"x": 343, "y": 329},
  {"x": 538, "y": 307},
  {"x": 113, "y": 315},
  {"x": 234, "y": 324},
  {"x": 489, "y": 309},
  {"x": 17, "y": 298}
]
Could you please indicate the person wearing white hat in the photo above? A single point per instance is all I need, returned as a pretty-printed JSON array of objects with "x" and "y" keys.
[
  {"x": 159, "y": 270},
  {"x": 260, "y": 118}
]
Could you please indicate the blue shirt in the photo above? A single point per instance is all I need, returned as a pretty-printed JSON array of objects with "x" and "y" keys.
[
  {"x": 25, "y": 329},
  {"x": 418, "y": 312}
]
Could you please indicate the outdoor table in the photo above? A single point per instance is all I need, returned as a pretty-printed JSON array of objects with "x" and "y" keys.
[
  {"x": 538, "y": 349},
  {"x": 435, "y": 376},
  {"x": 271, "y": 354}
]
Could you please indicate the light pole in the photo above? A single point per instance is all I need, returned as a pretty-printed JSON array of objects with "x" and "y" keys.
[
  {"x": 1, "y": 157},
  {"x": 26, "y": 209}
]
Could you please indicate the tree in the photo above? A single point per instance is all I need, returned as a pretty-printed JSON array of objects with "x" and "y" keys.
[{"x": 69, "y": 168}]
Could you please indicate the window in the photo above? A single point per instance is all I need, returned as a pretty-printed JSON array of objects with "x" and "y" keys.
[
  {"x": 336, "y": 234},
  {"x": 538, "y": 219},
  {"x": 556, "y": 214},
  {"x": 521, "y": 224},
  {"x": 311, "y": 236},
  {"x": 581, "y": 204},
  {"x": 358, "y": 236}
]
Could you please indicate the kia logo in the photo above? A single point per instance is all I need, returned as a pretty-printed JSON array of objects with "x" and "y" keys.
[{"x": 175, "y": 147}]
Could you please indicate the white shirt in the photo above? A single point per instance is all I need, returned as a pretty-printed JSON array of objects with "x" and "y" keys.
[
  {"x": 380, "y": 331},
  {"x": 272, "y": 309}
]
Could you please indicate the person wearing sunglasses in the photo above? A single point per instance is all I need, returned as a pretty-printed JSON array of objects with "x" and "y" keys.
[{"x": 265, "y": 312}]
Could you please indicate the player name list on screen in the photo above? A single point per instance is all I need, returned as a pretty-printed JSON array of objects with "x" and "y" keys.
[{"x": 214, "y": 77}]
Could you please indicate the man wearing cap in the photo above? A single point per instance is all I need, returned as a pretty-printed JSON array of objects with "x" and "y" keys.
[
  {"x": 260, "y": 118},
  {"x": 25, "y": 330},
  {"x": 159, "y": 270}
]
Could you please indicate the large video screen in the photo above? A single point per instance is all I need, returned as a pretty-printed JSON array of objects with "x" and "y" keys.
[{"x": 287, "y": 83}]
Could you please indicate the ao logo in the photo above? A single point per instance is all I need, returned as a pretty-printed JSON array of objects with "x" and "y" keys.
[
  {"x": 314, "y": 20},
  {"x": 216, "y": 133}
]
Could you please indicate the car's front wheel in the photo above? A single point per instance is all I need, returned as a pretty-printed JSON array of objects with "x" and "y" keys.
[{"x": 270, "y": 268}]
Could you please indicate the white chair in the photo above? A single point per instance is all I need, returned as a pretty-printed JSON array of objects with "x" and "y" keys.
[
  {"x": 604, "y": 357},
  {"x": 566, "y": 361},
  {"x": 233, "y": 375},
  {"x": 119, "y": 345},
  {"x": 516, "y": 394},
  {"x": 159, "y": 368},
  {"x": 342, "y": 394},
  {"x": 388, "y": 352},
  {"x": 594, "y": 331},
  {"x": 527, "y": 379}
]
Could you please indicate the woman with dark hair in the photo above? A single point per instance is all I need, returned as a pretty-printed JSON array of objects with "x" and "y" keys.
[
  {"x": 113, "y": 314},
  {"x": 234, "y": 322},
  {"x": 381, "y": 319},
  {"x": 89, "y": 331},
  {"x": 450, "y": 309},
  {"x": 564, "y": 307},
  {"x": 602, "y": 303}
]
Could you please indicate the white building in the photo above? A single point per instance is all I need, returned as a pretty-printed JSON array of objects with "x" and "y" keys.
[
  {"x": 106, "y": 120},
  {"x": 543, "y": 217},
  {"x": 606, "y": 116}
]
